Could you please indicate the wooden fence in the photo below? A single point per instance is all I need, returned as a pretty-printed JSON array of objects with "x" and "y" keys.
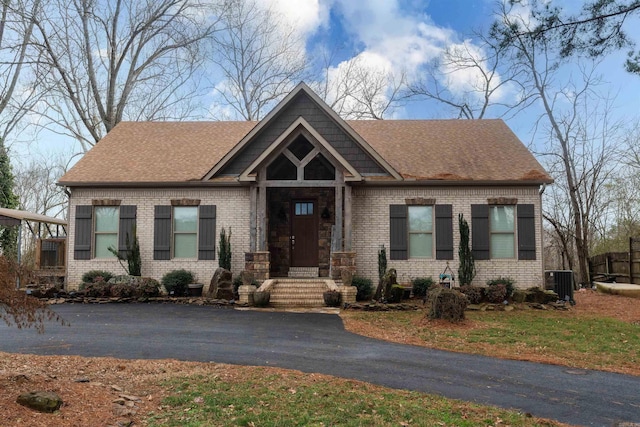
[{"x": 623, "y": 267}]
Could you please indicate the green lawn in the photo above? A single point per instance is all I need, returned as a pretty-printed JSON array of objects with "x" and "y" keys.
[
  {"x": 267, "y": 397},
  {"x": 561, "y": 337},
  {"x": 261, "y": 397}
]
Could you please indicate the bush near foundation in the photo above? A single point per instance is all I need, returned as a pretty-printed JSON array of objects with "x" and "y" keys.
[
  {"x": 447, "y": 304},
  {"x": 121, "y": 290},
  {"x": 508, "y": 282},
  {"x": 122, "y": 287},
  {"x": 96, "y": 276},
  {"x": 146, "y": 287},
  {"x": 496, "y": 293},
  {"x": 421, "y": 286},
  {"x": 474, "y": 293},
  {"x": 364, "y": 286},
  {"x": 98, "y": 289},
  {"x": 176, "y": 282}
]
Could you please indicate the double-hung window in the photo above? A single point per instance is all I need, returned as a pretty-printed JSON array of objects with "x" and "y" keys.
[
  {"x": 502, "y": 230},
  {"x": 185, "y": 231},
  {"x": 102, "y": 226},
  {"x": 105, "y": 230},
  {"x": 420, "y": 231}
]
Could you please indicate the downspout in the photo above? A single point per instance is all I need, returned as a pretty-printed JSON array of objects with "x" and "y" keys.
[
  {"x": 67, "y": 245},
  {"x": 540, "y": 193},
  {"x": 19, "y": 253}
]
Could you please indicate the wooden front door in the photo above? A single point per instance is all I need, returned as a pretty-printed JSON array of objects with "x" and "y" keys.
[{"x": 304, "y": 233}]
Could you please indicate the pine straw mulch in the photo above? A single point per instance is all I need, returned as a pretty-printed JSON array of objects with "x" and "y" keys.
[{"x": 98, "y": 391}]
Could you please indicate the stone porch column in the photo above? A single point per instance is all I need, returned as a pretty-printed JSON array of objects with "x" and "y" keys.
[{"x": 258, "y": 264}]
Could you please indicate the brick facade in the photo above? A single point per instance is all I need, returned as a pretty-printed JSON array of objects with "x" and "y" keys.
[
  {"x": 232, "y": 206},
  {"x": 371, "y": 230}
]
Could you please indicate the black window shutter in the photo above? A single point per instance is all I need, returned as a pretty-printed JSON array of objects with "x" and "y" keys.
[
  {"x": 84, "y": 225},
  {"x": 127, "y": 226},
  {"x": 162, "y": 233},
  {"x": 526, "y": 232},
  {"x": 207, "y": 232},
  {"x": 444, "y": 232},
  {"x": 480, "y": 232},
  {"x": 398, "y": 232}
]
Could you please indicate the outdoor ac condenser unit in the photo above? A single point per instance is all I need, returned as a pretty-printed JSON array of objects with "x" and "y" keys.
[{"x": 562, "y": 282}]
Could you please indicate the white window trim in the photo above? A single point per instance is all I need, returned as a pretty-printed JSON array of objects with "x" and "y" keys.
[
  {"x": 429, "y": 233},
  {"x": 174, "y": 232},
  {"x": 97, "y": 233},
  {"x": 511, "y": 233}
]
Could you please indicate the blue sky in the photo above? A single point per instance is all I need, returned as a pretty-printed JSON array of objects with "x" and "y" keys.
[
  {"x": 390, "y": 28},
  {"x": 401, "y": 35}
]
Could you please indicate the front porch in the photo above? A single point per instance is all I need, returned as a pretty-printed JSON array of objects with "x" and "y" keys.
[
  {"x": 296, "y": 231},
  {"x": 300, "y": 217}
]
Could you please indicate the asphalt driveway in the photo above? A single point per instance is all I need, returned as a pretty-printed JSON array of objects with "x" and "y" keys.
[{"x": 319, "y": 343}]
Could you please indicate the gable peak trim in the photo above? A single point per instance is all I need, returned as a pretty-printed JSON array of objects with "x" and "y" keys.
[
  {"x": 296, "y": 128},
  {"x": 302, "y": 87}
]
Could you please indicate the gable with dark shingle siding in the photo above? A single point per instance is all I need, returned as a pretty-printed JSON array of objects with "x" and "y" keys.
[{"x": 303, "y": 106}]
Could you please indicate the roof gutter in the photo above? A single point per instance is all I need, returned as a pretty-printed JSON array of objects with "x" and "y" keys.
[
  {"x": 366, "y": 182},
  {"x": 452, "y": 183},
  {"x": 144, "y": 184}
]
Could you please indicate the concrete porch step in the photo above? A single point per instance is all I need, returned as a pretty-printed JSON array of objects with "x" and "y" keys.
[
  {"x": 298, "y": 293},
  {"x": 308, "y": 272}
]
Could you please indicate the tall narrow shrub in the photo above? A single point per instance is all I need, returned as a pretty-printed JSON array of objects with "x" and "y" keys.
[
  {"x": 8, "y": 199},
  {"x": 132, "y": 255},
  {"x": 224, "y": 250},
  {"x": 382, "y": 262},
  {"x": 467, "y": 267},
  {"x": 134, "y": 260}
]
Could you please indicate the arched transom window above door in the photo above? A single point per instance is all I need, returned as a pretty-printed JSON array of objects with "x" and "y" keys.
[{"x": 301, "y": 160}]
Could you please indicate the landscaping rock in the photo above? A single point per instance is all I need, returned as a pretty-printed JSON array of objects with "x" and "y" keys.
[
  {"x": 222, "y": 279},
  {"x": 538, "y": 306},
  {"x": 541, "y": 296},
  {"x": 41, "y": 401},
  {"x": 559, "y": 305},
  {"x": 519, "y": 296},
  {"x": 379, "y": 306},
  {"x": 225, "y": 292}
]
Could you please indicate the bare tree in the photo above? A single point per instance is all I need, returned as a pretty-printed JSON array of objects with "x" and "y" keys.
[
  {"x": 16, "y": 28},
  {"x": 103, "y": 62},
  {"x": 623, "y": 218},
  {"x": 260, "y": 55},
  {"x": 580, "y": 136},
  {"x": 491, "y": 86},
  {"x": 360, "y": 89},
  {"x": 35, "y": 183}
]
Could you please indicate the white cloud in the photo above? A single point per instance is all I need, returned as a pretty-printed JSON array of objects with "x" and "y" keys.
[
  {"x": 305, "y": 15},
  {"x": 393, "y": 38},
  {"x": 395, "y": 43}
]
